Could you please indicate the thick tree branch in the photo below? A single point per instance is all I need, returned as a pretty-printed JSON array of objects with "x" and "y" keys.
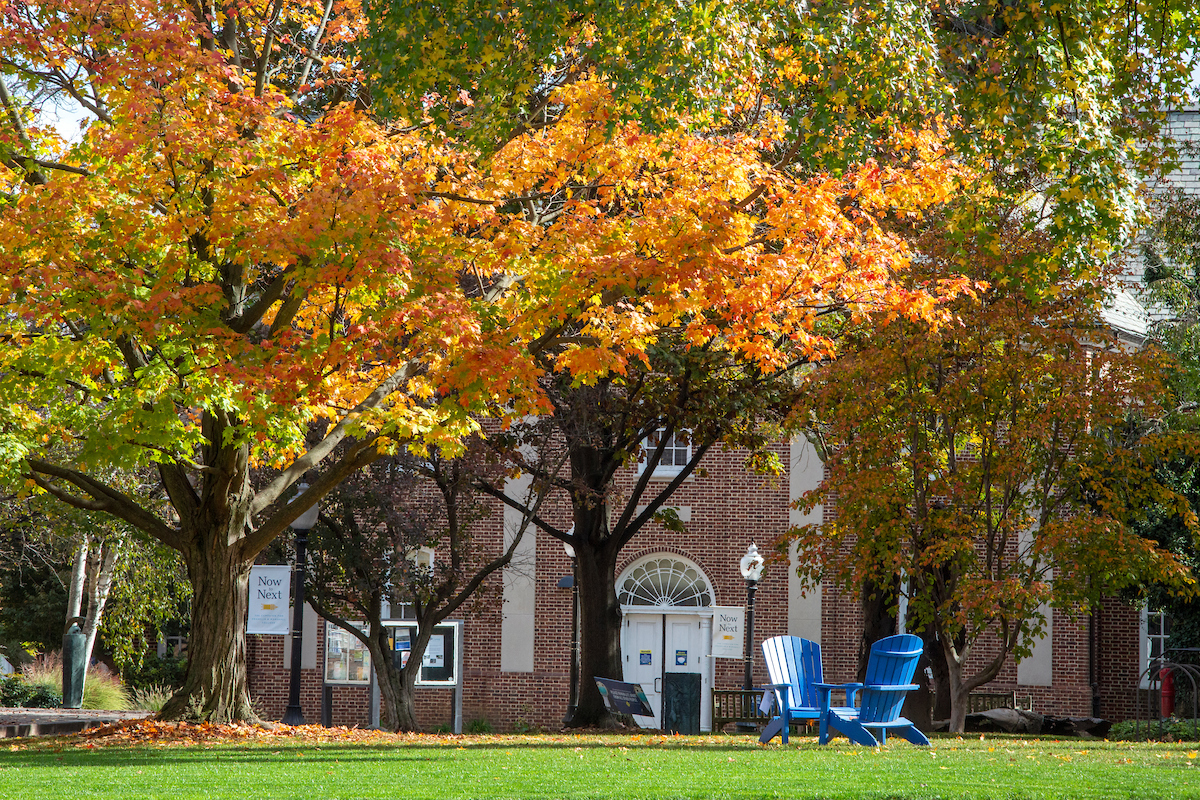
[
  {"x": 282, "y": 514},
  {"x": 624, "y": 535},
  {"x": 102, "y": 497},
  {"x": 552, "y": 530},
  {"x": 311, "y": 55},
  {"x": 245, "y": 322},
  {"x": 179, "y": 490},
  {"x": 315, "y": 455}
]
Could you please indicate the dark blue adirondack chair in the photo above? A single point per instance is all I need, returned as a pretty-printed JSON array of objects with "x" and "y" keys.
[
  {"x": 889, "y": 678},
  {"x": 794, "y": 665}
]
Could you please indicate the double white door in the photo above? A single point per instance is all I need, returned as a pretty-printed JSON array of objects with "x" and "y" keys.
[{"x": 653, "y": 645}]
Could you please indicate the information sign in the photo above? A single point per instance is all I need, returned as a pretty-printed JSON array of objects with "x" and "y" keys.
[
  {"x": 728, "y": 631},
  {"x": 624, "y": 698},
  {"x": 438, "y": 664}
]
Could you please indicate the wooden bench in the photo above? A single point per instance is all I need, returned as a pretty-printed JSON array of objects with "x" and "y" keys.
[
  {"x": 737, "y": 705},
  {"x": 986, "y": 701}
]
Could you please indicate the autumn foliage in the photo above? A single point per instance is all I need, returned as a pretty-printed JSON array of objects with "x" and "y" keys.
[
  {"x": 239, "y": 265},
  {"x": 990, "y": 471}
]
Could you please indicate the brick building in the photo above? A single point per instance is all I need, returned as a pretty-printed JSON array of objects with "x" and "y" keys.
[{"x": 516, "y": 652}]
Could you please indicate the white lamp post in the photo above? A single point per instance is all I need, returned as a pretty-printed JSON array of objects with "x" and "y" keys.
[{"x": 301, "y": 525}]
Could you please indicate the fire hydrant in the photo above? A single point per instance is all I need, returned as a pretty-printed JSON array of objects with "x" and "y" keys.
[{"x": 1166, "y": 679}]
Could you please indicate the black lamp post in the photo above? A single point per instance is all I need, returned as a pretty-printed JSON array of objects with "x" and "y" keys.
[
  {"x": 301, "y": 525},
  {"x": 752, "y": 568}
]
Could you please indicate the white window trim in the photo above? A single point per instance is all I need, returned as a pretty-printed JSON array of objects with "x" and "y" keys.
[
  {"x": 1144, "y": 638},
  {"x": 664, "y": 471}
]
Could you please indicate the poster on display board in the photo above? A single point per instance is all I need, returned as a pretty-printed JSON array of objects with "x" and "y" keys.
[
  {"x": 270, "y": 595},
  {"x": 440, "y": 662}
]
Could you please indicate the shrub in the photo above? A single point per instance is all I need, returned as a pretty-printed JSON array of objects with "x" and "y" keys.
[
  {"x": 102, "y": 690},
  {"x": 155, "y": 672},
  {"x": 16, "y": 692},
  {"x": 479, "y": 726},
  {"x": 1172, "y": 729}
]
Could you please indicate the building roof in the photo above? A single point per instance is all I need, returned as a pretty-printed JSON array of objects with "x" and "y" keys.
[{"x": 1125, "y": 315}]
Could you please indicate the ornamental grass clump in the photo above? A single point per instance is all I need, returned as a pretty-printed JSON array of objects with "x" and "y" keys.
[
  {"x": 102, "y": 690},
  {"x": 151, "y": 698}
]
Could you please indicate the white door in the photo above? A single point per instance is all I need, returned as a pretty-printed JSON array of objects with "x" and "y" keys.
[
  {"x": 641, "y": 645},
  {"x": 654, "y": 644}
]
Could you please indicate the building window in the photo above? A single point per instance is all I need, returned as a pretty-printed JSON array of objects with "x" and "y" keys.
[
  {"x": 664, "y": 581},
  {"x": 1156, "y": 629},
  {"x": 676, "y": 454},
  {"x": 346, "y": 658}
]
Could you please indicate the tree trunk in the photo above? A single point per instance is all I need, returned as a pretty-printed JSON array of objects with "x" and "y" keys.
[
  {"x": 396, "y": 686},
  {"x": 960, "y": 697},
  {"x": 214, "y": 686},
  {"x": 404, "y": 708},
  {"x": 78, "y": 576},
  {"x": 599, "y": 629},
  {"x": 938, "y": 664},
  {"x": 878, "y": 619},
  {"x": 99, "y": 586},
  {"x": 934, "y": 658},
  {"x": 406, "y": 712}
]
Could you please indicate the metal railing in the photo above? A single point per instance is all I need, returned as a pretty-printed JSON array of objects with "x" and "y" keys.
[
  {"x": 1151, "y": 677},
  {"x": 986, "y": 701}
]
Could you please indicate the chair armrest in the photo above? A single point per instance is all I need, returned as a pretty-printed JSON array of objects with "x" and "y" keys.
[
  {"x": 779, "y": 692},
  {"x": 825, "y": 691},
  {"x": 892, "y": 687}
]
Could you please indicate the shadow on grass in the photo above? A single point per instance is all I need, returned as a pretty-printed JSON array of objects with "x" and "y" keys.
[{"x": 401, "y": 752}]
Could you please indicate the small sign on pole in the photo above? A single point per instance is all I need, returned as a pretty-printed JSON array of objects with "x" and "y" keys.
[
  {"x": 728, "y": 631},
  {"x": 270, "y": 596}
]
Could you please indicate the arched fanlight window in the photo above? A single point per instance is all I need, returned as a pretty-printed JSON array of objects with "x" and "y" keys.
[{"x": 664, "y": 580}]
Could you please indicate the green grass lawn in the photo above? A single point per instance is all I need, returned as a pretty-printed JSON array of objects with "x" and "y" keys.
[{"x": 564, "y": 766}]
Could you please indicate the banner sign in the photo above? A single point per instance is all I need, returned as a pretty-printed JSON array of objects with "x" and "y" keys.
[
  {"x": 728, "y": 631},
  {"x": 624, "y": 698},
  {"x": 270, "y": 594}
]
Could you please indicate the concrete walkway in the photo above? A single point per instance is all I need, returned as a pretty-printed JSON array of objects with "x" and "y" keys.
[{"x": 56, "y": 721}]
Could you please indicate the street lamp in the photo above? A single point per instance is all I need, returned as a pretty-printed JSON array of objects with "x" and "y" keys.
[
  {"x": 301, "y": 525},
  {"x": 751, "y": 567},
  {"x": 573, "y": 703}
]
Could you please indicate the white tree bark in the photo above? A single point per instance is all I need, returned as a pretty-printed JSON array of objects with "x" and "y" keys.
[
  {"x": 100, "y": 576},
  {"x": 78, "y": 577}
]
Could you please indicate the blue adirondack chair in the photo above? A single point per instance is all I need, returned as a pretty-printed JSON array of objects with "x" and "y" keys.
[
  {"x": 889, "y": 678},
  {"x": 794, "y": 665}
]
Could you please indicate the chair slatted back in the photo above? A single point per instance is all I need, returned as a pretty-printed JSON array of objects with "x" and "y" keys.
[
  {"x": 893, "y": 662},
  {"x": 796, "y": 662}
]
